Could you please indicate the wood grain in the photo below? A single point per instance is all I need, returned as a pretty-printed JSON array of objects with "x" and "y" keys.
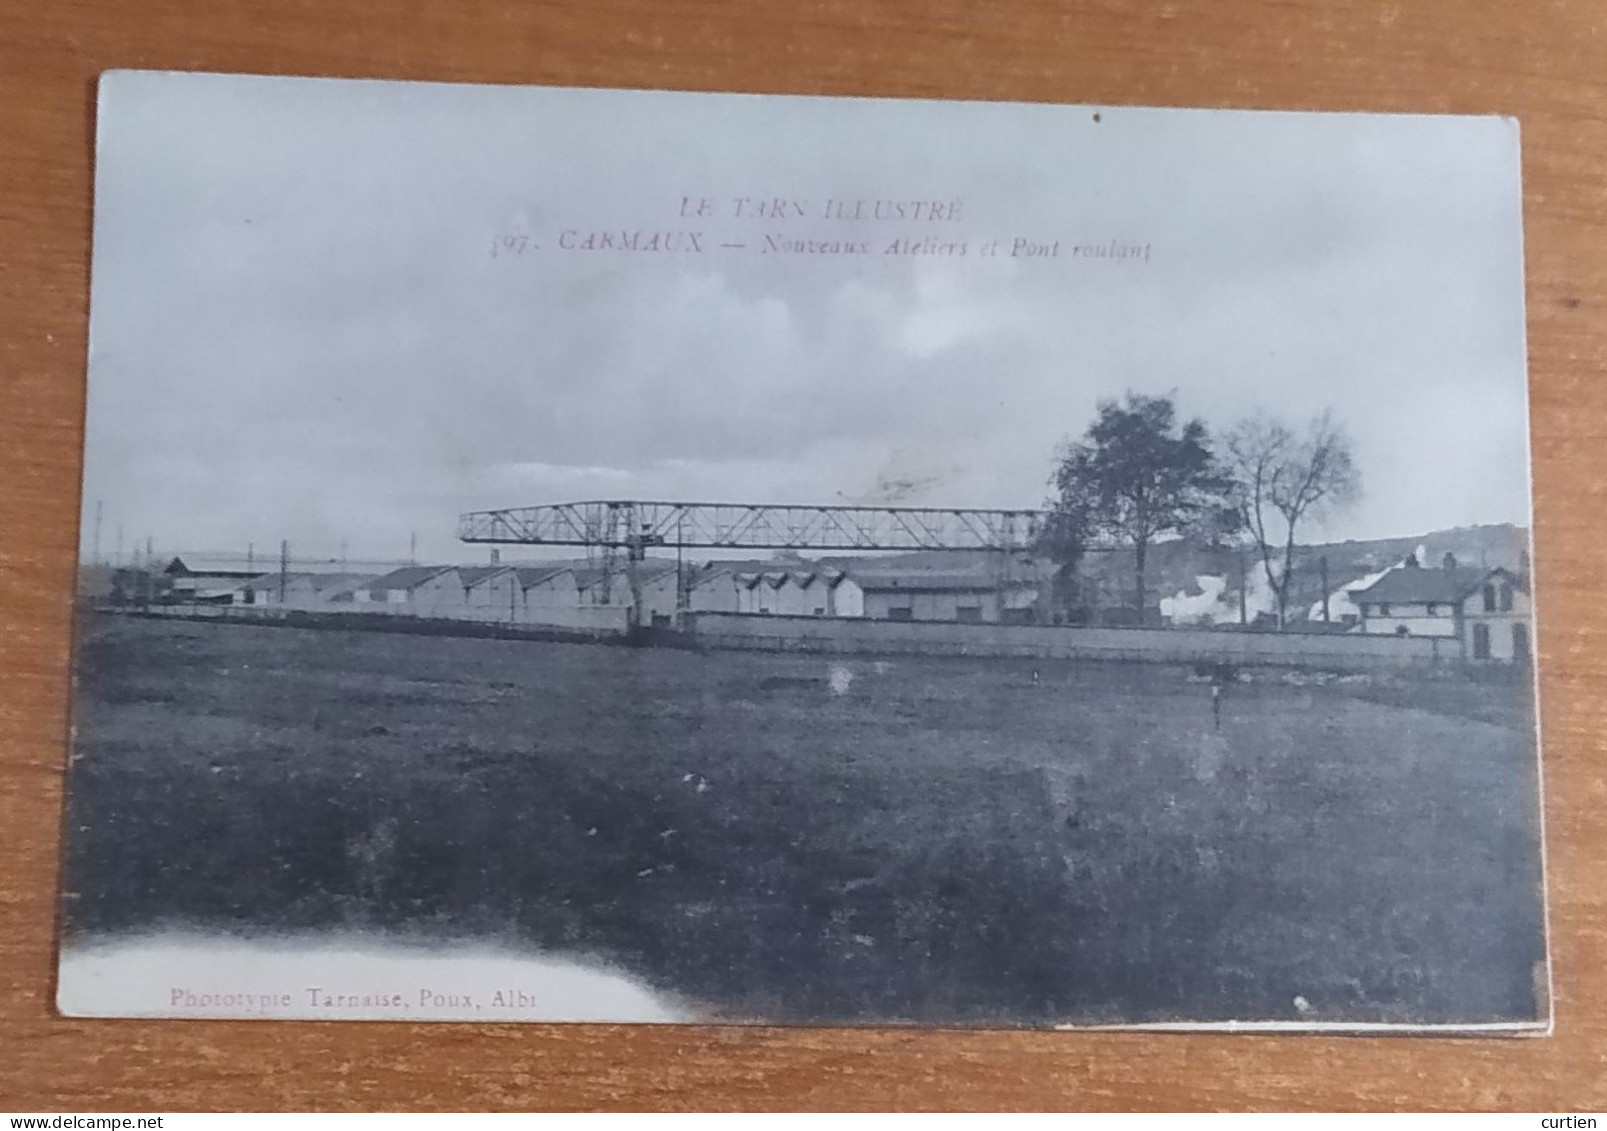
[{"x": 1544, "y": 62}]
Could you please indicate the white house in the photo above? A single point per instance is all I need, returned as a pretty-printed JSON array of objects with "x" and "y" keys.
[
  {"x": 1487, "y": 611},
  {"x": 1412, "y": 601},
  {"x": 1496, "y": 618}
]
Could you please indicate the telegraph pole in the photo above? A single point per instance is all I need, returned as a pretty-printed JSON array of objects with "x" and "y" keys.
[
  {"x": 634, "y": 553},
  {"x": 1244, "y": 588},
  {"x": 682, "y": 597},
  {"x": 99, "y": 508},
  {"x": 284, "y": 568},
  {"x": 1322, "y": 565}
]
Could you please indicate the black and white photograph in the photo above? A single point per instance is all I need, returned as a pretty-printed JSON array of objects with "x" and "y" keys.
[{"x": 593, "y": 555}]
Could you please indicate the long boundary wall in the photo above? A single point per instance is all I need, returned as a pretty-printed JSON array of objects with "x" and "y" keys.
[
  {"x": 851, "y": 636},
  {"x": 584, "y": 623},
  {"x": 1350, "y": 652}
]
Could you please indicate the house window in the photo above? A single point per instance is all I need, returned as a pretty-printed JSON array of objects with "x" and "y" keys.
[
  {"x": 820, "y": 611},
  {"x": 1383, "y": 610},
  {"x": 971, "y": 614},
  {"x": 1402, "y": 630},
  {"x": 1433, "y": 609},
  {"x": 901, "y": 613},
  {"x": 1489, "y": 598},
  {"x": 1481, "y": 642},
  {"x": 1506, "y": 598},
  {"x": 1520, "y": 642}
]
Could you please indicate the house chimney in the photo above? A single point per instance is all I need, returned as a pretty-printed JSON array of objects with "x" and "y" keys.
[
  {"x": 496, "y": 556},
  {"x": 1450, "y": 561},
  {"x": 1411, "y": 561}
]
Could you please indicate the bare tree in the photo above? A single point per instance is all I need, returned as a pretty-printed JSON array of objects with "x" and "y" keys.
[{"x": 1283, "y": 478}]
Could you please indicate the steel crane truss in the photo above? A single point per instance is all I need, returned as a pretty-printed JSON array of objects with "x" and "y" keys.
[{"x": 634, "y": 525}]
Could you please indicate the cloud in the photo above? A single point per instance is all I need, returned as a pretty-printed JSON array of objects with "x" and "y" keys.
[{"x": 299, "y": 330}]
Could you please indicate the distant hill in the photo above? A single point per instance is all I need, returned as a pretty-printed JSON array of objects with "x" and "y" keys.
[{"x": 1492, "y": 545}]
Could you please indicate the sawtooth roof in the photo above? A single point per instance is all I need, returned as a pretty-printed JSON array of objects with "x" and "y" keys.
[{"x": 408, "y": 577}]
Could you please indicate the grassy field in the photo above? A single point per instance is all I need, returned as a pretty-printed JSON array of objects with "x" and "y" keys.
[{"x": 807, "y": 839}]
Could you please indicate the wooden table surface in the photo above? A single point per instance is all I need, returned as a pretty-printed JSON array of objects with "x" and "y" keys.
[{"x": 1544, "y": 61}]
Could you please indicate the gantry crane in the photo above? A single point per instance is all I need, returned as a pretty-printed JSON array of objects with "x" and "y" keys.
[{"x": 632, "y": 526}]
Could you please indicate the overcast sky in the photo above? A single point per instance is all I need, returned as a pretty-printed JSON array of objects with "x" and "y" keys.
[{"x": 299, "y": 329}]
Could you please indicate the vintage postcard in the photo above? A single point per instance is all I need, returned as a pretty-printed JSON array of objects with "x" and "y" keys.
[{"x": 566, "y": 555}]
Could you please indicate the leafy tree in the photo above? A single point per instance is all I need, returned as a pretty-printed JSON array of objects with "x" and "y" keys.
[
  {"x": 1137, "y": 475},
  {"x": 1220, "y": 523},
  {"x": 1282, "y": 478},
  {"x": 1062, "y": 539}
]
